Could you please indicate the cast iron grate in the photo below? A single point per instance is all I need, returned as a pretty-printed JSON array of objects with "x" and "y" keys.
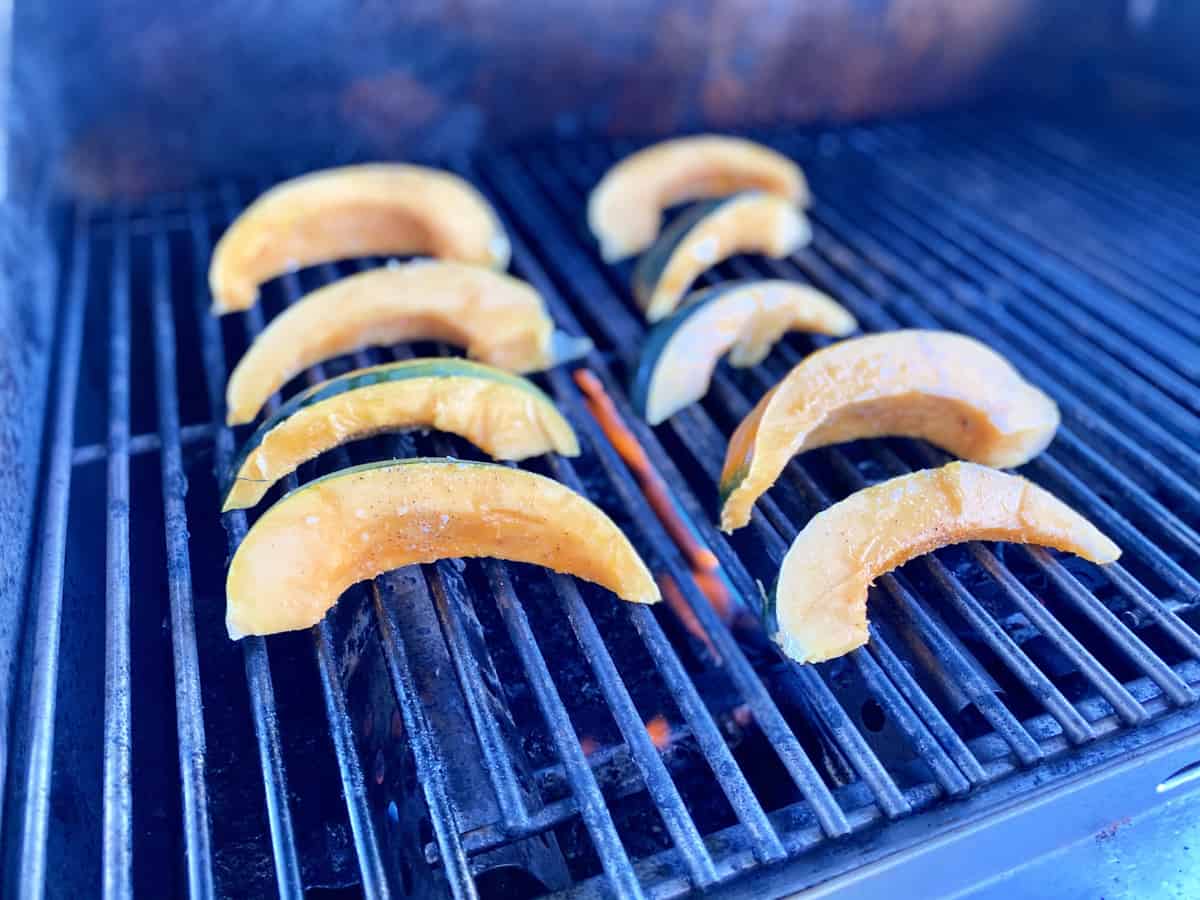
[{"x": 488, "y": 728}]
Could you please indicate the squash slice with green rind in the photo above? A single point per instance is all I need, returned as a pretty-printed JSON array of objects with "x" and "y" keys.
[
  {"x": 355, "y": 524},
  {"x": 503, "y": 414},
  {"x": 709, "y": 232},
  {"x": 380, "y": 209},
  {"x": 947, "y": 388},
  {"x": 743, "y": 318},
  {"x": 625, "y": 208},
  {"x": 501, "y": 321},
  {"x": 818, "y": 609}
]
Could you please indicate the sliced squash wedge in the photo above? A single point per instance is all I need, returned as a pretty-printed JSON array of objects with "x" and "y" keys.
[
  {"x": 743, "y": 318},
  {"x": 819, "y": 607},
  {"x": 355, "y": 524},
  {"x": 708, "y": 233},
  {"x": 947, "y": 388},
  {"x": 625, "y": 208},
  {"x": 504, "y": 415},
  {"x": 500, "y": 320},
  {"x": 369, "y": 210}
]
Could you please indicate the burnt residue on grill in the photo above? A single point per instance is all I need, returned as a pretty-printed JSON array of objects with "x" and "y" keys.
[{"x": 476, "y": 725}]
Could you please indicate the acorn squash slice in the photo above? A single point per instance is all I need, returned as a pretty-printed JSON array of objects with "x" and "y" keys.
[
  {"x": 625, "y": 208},
  {"x": 500, "y": 320},
  {"x": 369, "y": 210},
  {"x": 708, "y": 233},
  {"x": 819, "y": 606},
  {"x": 504, "y": 415},
  {"x": 743, "y": 318},
  {"x": 360, "y": 522},
  {"x": 947, "y": 388}
]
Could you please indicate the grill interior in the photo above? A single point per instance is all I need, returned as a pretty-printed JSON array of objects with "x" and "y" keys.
[{"x": 492, "y": 728}]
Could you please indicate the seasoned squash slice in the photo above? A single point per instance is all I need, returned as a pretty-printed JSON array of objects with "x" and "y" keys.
[
  {"x": 708, "y": 233},
  {"x": 944, "y": 387},
  {"x": 625, "y": 208},
  {"x": 360, "y": 522},
  {"x": 370, "y": 210},
  {"x": 504, "y": 415},
  {"x": 499, "y": 319},
  {"x": 819, "y": 607},
  {"x": 743, "y": 318}
]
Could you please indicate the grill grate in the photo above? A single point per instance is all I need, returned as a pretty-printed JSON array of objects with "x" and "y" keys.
[{"x": 487, "y": 718}]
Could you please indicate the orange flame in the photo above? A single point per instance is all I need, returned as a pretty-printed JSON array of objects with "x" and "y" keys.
[
  {"x": 588, "y": 745},
  {"x": 742, "y": 715},
  {"x": 683, "y": 612},
  {"x": 660, "y": 732},
  {"x": 703, "y": 562}
]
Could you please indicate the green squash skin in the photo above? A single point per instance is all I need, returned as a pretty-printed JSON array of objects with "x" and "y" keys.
[
  {"x": 729, "y": 485},
  {"x": 661, "y": 333},
  {"x": 650, "y": 267},
  {"x": 361, "y": 378},
  {"x": 768, "y": 614}
]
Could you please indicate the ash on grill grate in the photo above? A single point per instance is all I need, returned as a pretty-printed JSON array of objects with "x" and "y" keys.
[{"x": 484, "y": 727}]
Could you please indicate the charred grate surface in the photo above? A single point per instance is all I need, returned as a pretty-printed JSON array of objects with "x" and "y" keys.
[{"x": 492, "y": 729}]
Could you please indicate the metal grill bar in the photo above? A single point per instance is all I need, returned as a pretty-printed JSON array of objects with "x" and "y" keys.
[
  {"x": 499, "y": 765},
  {"x": 1097, "y": 502},
  {"x": 1099, "y": 393},
  {"x": 472, "y": 673},
  {"x": 118, "y": 744},
  {"x": 1125, "y": 704},
  {"x": 654, "y": 773},
  {"x": 188, "y": 710},
  {"x": 32, "y": 785},
  {"x": 1171, "y": 567},
  {"x": 693, "y": 425},
  {"x": 1094, "y": 252},
  {"x": 1169, "y": 224},
  {"x": 254, "y": 649},
  {"x": 1085, "y": 251},
  {"x": 817, "y": 498},
  {"x": 691, "y": 433},
  {"x": 739, "y": 669},
  {"x": 445, "y": 825},
  {"x": 1147, "y": 313},
  {"x": 760, "y": 702},
  {"x": 1163, "y": 565},
  {"x": 1170, "y": 526},
  {"x": 976, "y": 236},
  {"x": 592, "y": 807},
  {"x": 141, "y": 443},
  {"x": 960, "y": 247},
  {"x": 366, "y": 842},
  {"x": 1098, "y": 671}
]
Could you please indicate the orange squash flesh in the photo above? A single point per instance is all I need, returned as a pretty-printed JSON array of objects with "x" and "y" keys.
[
  {"x": 499, "y": 319},
  {"x": 820, "y": 601},
  {"x": 368, "y": 210},
  {"x": 744, "y": 319},
  {"x": 503, "y": 414},
  {"x": 947, "y": 388},
  {"x": 625, "y": 208},
  {"x": 708, "y": 234},
  {"x": 358, "y": 523}
]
